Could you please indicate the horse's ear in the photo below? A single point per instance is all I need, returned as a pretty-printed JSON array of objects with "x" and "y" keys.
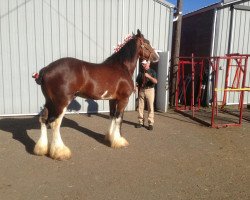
[{"x": 138, "y": 32}]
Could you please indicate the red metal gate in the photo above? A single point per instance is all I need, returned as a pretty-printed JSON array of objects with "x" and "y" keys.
[{"x": 190, "y": 86}]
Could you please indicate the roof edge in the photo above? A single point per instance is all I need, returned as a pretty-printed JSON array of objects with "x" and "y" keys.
[
  {"x": 210, "y": 7},
  {"x": 229, "y": 2},
  {"x": 220, "y": 4},
  {"x": 165, "y": 3}
]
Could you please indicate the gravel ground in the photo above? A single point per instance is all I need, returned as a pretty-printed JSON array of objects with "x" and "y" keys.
[{"x": 179, "y": 159}]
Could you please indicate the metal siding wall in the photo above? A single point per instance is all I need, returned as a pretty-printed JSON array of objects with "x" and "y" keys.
[
  {"x": 5, "y": 53},
  {"x": 150, "y": 19},
  {"x": 2, "y": 100},
  {"x": 161, "y": 24},
  {"x": 33, "y": 33},
  {"x": 247, "y": 49},
  {"x": 168, "y": 33},
  {"x": 240, "y": 44},
  {"x": 221, "y": 44},
  {"x": 15, "y": 57},
  {"x": 38, "y": 52},
  {"x": 31, "y": 57},
  {"x": 222, "y": 32}
]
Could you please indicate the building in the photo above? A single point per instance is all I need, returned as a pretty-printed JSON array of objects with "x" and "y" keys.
[
  {"x": 217, "y": 30},
  {"x": 33, "y": 33}
]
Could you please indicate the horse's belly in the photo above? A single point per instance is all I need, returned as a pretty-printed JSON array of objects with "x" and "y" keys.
[{"x": 103, "y": 95}]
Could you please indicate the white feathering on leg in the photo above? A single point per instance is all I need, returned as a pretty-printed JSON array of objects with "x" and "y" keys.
[
  {"x": 58, "y": 149},
  {"x": 41, "y": 147},
  {"x": 114, "y": 135}
]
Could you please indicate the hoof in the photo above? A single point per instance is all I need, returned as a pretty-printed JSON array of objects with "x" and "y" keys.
[
  {"x": 61, "y": 153},
  {"x": 41, "y": 150},
  {"x": 119, "y": 143}
]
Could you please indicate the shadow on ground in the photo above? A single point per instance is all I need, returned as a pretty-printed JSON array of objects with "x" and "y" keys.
[{"x": 18, "y": 127}]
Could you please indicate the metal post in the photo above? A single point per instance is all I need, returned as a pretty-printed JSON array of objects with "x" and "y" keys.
[
  {"x": 214, "y": 104},
  {"x": 229, "y": 63},
  {"x": 192, "y": 98},
  {"x": 200, "y": 82},
  {"x": 243, "y": 91},
  {"x": 177, "y": 89}
]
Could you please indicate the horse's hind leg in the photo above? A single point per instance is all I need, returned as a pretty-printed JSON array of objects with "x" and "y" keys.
[
  {"x": 114, "y": 134},
  {"x": 112, "y": 107},
  {"x": 58, "y": 150},
  {"x": 41, "y": 147}
]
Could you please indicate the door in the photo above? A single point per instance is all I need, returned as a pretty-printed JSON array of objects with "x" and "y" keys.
[{"x": 162, "y": 89}]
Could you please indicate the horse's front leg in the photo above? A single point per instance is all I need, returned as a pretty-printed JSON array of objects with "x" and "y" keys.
[{"x": 114, "y": 134}]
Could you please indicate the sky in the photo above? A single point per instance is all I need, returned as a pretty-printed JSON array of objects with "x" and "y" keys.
[{"x": 192, "y": 5}]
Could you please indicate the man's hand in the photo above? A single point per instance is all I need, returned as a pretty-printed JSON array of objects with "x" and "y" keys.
[
  {"x": 147, "y": 75},
  {"x": 152, "y": 79}
]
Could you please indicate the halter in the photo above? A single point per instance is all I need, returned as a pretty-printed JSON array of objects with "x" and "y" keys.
[{"x": 145, "y": 46}]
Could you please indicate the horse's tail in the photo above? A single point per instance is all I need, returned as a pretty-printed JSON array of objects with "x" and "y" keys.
[{"x": 38, "y": 76}]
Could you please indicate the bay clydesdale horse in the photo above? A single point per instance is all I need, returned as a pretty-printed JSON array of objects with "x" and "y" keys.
[{"x": 64, "y": 79}]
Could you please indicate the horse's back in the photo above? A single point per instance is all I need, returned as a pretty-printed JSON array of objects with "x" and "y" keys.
[
  {"x": 62, "y": 77},
  {"x": 71, "y": 77},
  {"x": 63, "y": 63}
]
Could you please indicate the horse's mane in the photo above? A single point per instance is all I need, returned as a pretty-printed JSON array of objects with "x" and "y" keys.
[{"x": 126, "y": 53}]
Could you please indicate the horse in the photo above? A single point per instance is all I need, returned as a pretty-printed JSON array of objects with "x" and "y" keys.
[{"x": 66, "y": 78}]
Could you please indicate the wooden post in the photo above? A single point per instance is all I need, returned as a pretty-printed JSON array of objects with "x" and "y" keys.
[{"x": 176, "y": 51}]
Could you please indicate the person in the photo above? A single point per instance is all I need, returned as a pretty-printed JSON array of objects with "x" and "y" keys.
[{"x": 145, "y": 83}]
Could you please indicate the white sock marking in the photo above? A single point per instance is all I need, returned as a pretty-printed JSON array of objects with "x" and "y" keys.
[
  {"x": 114, "y": 131},
  {"x": 43, "y": 138},
  {"x": 57, "y": 140}
]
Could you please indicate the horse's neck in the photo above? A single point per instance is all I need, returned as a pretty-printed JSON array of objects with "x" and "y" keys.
[{"x": 131, "y": 65}]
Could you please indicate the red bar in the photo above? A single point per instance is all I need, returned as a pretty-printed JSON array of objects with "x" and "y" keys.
[
  {"x": 192, "y": 97},
  {"x": 214, "y": 63}
]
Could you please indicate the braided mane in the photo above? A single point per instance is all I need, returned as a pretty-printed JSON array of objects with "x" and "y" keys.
[{"x": 123, "y": 52}]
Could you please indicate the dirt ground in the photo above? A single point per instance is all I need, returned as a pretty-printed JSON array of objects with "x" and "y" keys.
[{"x": 180, "y": 159}]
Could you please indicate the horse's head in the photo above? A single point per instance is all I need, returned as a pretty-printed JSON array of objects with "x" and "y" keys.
[{"x": 147, "y": 52}]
